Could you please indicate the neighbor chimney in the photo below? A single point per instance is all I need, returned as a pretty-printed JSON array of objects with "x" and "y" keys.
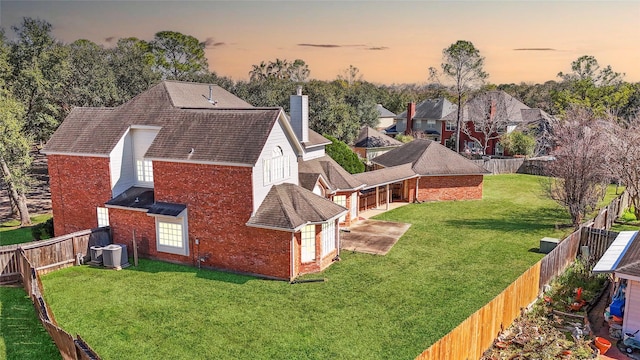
[
  {"x": 411, "y": 112},
  {"x": 300, "y": 114}
]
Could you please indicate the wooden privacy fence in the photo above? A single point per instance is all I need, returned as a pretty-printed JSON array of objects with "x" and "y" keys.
[
  {"x": 474, "y": 336},
  {"x": 501, "y": 166},
  {"x": 52, "y": 254},
  {"x": 25, "y": 262},
  {"x": 70, "y": 348}
]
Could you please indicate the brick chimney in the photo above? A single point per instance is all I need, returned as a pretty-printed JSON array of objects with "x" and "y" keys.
[
  {"x": 411, "y": 112},
  {"x": 300, "y": 114}
]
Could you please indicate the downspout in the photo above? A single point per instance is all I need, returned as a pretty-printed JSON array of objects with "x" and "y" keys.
[
  {"x": 337, "y": 236},
  {"x": 293, "y": 257}
]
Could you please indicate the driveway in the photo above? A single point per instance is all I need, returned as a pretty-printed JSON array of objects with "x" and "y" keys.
[{"x": 373, "y": 236}]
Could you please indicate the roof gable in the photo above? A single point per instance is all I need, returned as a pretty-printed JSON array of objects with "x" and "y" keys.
[
  {"x": 336, "y": 177},
  {"x": 431, "y": 109},
  {"x": 289, "y": 207}
]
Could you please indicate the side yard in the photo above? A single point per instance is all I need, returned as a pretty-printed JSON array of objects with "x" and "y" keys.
[{"x": 455, "y": 258}]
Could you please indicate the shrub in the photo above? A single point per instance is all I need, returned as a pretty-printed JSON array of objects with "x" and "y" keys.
[
  {"x": 518, "y": 143},
  {"x": 343, "y": 155}
]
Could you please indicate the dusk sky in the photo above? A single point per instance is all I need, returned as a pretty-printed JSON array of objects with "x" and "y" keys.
[{"x": 389, "y": 41}]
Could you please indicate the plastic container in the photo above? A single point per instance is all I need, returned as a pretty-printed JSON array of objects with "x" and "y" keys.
[{"x": 602, "y": 344}]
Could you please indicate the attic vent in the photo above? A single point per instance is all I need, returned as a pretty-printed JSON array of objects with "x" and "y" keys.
[{"x": 210, "y": 98}]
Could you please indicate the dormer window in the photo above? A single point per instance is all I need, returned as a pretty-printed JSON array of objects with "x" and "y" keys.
[
  {"x": 144, "y": 171},
  {"x": 277, "y": 167}
]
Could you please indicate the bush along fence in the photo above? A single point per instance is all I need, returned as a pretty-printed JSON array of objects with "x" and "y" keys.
[
  {"x": 474, "y": 336},
  {"x": 26, "y": 262}
]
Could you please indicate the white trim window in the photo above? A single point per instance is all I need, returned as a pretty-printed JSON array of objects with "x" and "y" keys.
[
  {"x": 308, "y": 243},
  {"x": 171, "y": 235},
  {"x": 103, "y": 216},
  {"x": 342, "y": 201},
  {"x": 328, "y": 237},
  {"x": 277, "y": 167},
  {"x": 144, "y": 171},
  {"x": 431, "y": 124},
  {"x": 450, "y": 126}
]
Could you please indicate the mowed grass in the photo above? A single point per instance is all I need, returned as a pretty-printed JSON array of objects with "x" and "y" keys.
[
  {"x": 22, "y": 337},
  {"x": 11, "y": 233},
  {"x": 455, "y": 258}
]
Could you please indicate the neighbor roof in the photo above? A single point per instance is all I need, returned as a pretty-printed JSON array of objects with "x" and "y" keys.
[
  {"x": 429, "y": 158},
  {"x": 289, "y": 207},
  {"x": 371, "y": 138},
  {"x": 220, "y": 134},
  {"x": 383, "y": 111},
  {"x": 337, "y": 178},
  {"x": 511, "y": 105},
  {"x": 431, "y": 109}
]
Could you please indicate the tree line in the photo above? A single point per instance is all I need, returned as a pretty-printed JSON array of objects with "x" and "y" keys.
[{"x": 42, "y": 79}]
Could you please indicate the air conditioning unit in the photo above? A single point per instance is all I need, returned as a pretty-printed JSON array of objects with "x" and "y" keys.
[
  {"x": 96, "y": 255},
  {"x": 115, "y": 256}
]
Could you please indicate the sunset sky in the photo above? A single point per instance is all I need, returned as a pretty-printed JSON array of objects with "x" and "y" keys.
[{"x": 389, "y": 41}]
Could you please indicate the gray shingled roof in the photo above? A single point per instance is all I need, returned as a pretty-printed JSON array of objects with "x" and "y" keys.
[
  {"x": 289, "y": 207},
  {"x": 316, "y": 139},
  {"x": 511, "y": 105},
  {"x": 221, "y": 134},
  {"x": 384, "y": 112},
  {"x": 196, "y": 96},
  {"x": 386, "y": 175},
  {"x": 429, "y": 158},
  {"x": 371, "y": 138},
  {"x": 431, "y": 109},
  {"x": 337, "y": 178},
  {"x": 630, "y": 262}
]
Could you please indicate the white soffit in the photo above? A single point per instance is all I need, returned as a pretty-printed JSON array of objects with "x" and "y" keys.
[{"x": 615, "y": 252}]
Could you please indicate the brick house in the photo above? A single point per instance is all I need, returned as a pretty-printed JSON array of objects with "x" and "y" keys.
[
  {"x": 197, "y": 176},
  {"x": 435, "y": 119},
  {"x": 422, "y": 170}
]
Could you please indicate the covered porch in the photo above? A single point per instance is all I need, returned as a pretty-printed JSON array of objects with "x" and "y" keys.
[{"x": 383, "y": 187}]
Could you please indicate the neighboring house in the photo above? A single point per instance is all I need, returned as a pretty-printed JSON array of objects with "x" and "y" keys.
[
  {"x": 421, "y": 170},
  {"x": 371, "y": 143},
  {"x": 195, "y": 175},
  {"x": 539, "y": 124},
  {"x": 622, "y": 258},
  {"x": 386, "y": 117},
  {"x": 424, "y": 119}
]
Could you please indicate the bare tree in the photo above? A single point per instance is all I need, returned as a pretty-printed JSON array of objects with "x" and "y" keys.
[
  {"x": 350, "y": 75},
  {"x": 487, "y": 116},
  {"x": 579, "y": 175},
  {"x": 625, "y": 158},
  {"x": 464, "y": 67}
]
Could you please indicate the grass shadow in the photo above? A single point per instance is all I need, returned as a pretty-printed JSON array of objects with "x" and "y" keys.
[
  {"x": 151, "y": 266},
  {"x": 20, "y": 330}
]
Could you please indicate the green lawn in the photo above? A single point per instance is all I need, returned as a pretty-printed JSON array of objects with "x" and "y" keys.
[
  {"x": 11, "y": 233},
  {"x": 22, "y": 337},
  {"x": 453, "y": 260}
]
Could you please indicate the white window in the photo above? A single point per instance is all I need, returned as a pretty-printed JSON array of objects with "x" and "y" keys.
[
  {"x": 451, "y": 126},
  {"x": 328, "y": 237},
  {"x": 103, "y": 217},
  {"x": 277, "y": 167},
  {"x": 171, "y": 235},
  {"x": 308, "y": 250},
  {"x": 431, "y": 124},
  {"x": 144, "y": 170},
  {"x": 342, "y": 201},
  {"x": 417, "y": 125}
]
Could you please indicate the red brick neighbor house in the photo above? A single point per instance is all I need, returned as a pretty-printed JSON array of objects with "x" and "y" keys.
[
  {"x": 435, "y": 119},
  {"x": 198, "y": 176},
  {"x": 422, "y": 170}
]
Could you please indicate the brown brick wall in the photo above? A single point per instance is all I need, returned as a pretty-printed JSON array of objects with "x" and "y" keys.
[
  {"x": 219, "y": 203},
  {"x": 78, "y": 185},
  {"x": 443, "y": 188}
]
